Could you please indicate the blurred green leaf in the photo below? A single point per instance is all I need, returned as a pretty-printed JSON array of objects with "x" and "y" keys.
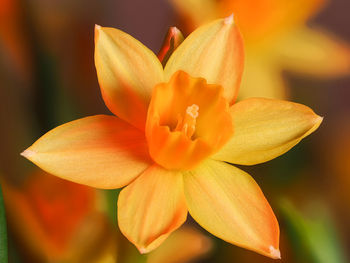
[
  {"x": 314, "y": 238},
  {"x": 112, "y": 198},
  {"x": 3, "y": 231}
]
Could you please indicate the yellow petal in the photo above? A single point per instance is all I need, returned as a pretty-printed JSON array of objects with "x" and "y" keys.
[
  {"x": 229, "y": 204},
  {"x": 100, "y": 151},
  {"x": 262, "y": 78},
  {"x": 188, "y": 243},
  {"x": 152, "y": 207},
  {"x": 313, "y": 52},
  {"x": 127, "y": 72},
  {"x": 214, "y": 52},
  {"x": 265, "y": 129}
]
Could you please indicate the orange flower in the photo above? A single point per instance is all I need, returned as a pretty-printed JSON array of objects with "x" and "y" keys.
[
  {"x": 53, "y": 218},
  {"x": 176, "y": 130},
  {"x": 277, "y": 39}
]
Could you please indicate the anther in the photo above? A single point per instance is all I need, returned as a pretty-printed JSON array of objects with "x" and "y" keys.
[
  {"x": 187, "y": 124},
  {"x": 193, "y": 111}
]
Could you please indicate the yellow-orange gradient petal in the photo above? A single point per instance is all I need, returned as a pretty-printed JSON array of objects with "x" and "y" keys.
[
  {"x": 265, "y": 129},
  {"x": 172, "y": 40},
  {"x": 127, "y": 72},
  {"x": 214, "y": 52},
  {"x": 229, "y": 204},
  {"x": 187, "y": 243},
  {"x": 152, "y": 207},
  {"x": 100, "y": 151},
  {"x": 187, "y": 121}
]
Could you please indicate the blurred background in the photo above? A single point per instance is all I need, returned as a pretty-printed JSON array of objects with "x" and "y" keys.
[{"x": 296, "y": 50}]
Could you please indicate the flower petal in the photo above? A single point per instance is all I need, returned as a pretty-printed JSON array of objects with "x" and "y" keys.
[
  {"x": 313, "y": 52},
  {"x": 229, "y": 204},
  {"x": 214, "y": 52},
  {"x": 189, "y": 244},
  {"x": 100, "y": 151},
  {"x": 266, "y": 128},
  {"x": 152, "y": 207},
  {"x": 127, "y": 72},
  {"x": 262, "y": 78}
]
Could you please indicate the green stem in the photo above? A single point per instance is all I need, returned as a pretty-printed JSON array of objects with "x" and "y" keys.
[{"x": 3, "y": 231}]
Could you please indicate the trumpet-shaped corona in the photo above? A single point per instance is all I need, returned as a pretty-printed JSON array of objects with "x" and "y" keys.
[{"x": 180, "y": 136}]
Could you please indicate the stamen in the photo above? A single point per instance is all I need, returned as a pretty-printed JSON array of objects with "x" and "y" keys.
[{"x": 187, "y": 124}]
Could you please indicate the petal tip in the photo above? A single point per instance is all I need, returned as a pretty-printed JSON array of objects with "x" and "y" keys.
[
  {"x": 319, "y": 119},
  {"x": 27, "y": 153},
  {"x": 229, "y": 20},
  {"x": 274, "y": 252},
  {"x": 98, "y": 28},
  {"x": 174, "y": 30},
  {"x": 143, "y": 250}
]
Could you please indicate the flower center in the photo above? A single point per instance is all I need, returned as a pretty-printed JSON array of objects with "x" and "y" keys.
[
  {"x": 187, "y": 124},
  {"x": 187, "y": 121}
]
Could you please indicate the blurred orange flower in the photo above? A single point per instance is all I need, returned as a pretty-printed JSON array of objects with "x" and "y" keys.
[
  {"x": 51, "y": 217},
  {"x": 170, "y": 122},
  {"x": 276, "y": 38}
]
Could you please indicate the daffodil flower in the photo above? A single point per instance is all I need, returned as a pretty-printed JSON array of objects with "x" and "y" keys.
[
  {"x": 276, "y": 38},
  {"x": 176, "y": 131}
]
